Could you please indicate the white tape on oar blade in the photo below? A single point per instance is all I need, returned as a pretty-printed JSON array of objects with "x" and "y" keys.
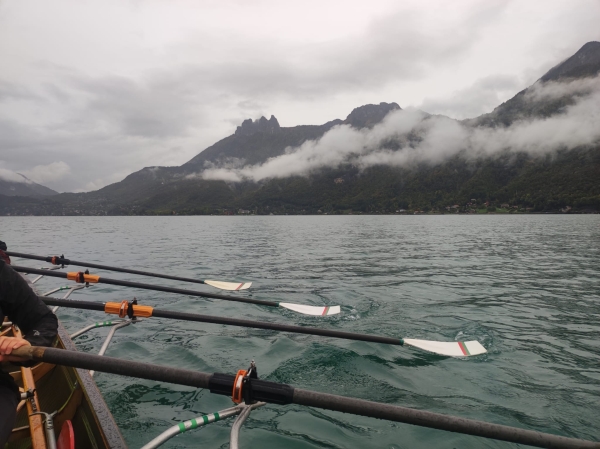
[
  {"x": 452, "y": 349},
  {"x": 311, "y": 310},
  {"x": 229, "y": 285}
]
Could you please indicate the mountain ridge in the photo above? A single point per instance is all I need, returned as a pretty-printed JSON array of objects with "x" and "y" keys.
[
  {"x": 24, "y": 187},
  {"x": 584, "y": 63},
  {"x": 552, "y": 182}
]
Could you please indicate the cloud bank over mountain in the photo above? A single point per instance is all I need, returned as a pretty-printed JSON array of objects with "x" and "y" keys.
[
  {"x": 409, "y": 137},
  {"x": 39, "y": 174},
  {"x": 168, "y": 79},
  {"x": 11, "y": 176}
]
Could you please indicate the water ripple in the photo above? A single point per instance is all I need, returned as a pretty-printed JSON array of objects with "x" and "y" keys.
[{"x": 526, "y": 287}]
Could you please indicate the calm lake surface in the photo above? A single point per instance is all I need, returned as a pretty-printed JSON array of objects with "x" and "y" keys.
[{"x": 527, "y": 287}]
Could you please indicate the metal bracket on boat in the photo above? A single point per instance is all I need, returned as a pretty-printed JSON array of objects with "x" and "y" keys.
[
  {"x": 109, "y": 337},
  {"x": 41, "y": 275},
  {"x": 27, "y": 394},
  {"x": 126, "y": 309},
  {"x": 201, "y": 421},
  {"x": 85, "y": 278},
  {"x": 49, "y": 427},
  {"x": 55, "y": 260},
  {"x": 240, "y": 390},
  {"x": 130, "y": 310},
  {"x": 255, "y": 389},
  {"x": 70, "y": 288},
  {"x": 239, "y": 421}
]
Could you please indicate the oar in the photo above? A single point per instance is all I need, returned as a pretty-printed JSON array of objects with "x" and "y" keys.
[
  {"x": 84, "y": 277},
  {"x": 452, "y": 348},
  {"x": 56, "y": 260},
  {"x": 281, "y": 394}
]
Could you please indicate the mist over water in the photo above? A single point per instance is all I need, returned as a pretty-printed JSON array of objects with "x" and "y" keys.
[{"x": 526, "y": 287}]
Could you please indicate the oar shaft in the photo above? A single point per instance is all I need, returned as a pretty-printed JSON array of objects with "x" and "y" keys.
[
  {"x": 157, "y": 288},
  {"x": 115, "y": 366},
  {"x": 275, "y": 327},
  {"x": 273, "y": 392},
  {"x": 437, "y": 421},
  {"x": 64, "y": 261},
  {"x": 88, "y": 305}
]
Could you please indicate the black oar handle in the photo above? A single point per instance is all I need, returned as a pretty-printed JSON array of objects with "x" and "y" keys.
[
  {"x": 157, "y": 288},
  {"x": 64, "y": 261},
  {"x": 88, "y": 305},
  {"x": 272, "y": 392}
]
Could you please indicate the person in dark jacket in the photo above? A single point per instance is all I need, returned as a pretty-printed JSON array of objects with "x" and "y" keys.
[{"x": 38, "y": 326}]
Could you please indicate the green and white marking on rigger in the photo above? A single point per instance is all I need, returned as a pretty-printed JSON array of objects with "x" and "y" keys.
[{"x": 193, "y": 423}]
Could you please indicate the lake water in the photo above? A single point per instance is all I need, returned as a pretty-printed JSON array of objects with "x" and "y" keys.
[{"x": 527, "y": 287}]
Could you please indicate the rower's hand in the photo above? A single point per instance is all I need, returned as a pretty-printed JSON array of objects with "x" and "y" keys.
[{"x": 7, "y": 344}]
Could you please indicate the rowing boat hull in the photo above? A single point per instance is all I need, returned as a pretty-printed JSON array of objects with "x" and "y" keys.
[{"x": 75, "y": 391}]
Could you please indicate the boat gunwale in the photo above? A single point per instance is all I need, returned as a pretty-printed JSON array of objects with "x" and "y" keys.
[{"x": 102, "y": 415}]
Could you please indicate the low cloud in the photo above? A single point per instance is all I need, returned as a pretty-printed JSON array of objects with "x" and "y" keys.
[
  {"x": 48, "y": 173},
  {"x": 39, "y": 174},
  {"x": 481, "y": 97},
  {"x": 552, "y": 90},
  {"x": 11, "y": 176},
  {"x": 98, "y": 183},
  {"x": 409, "y": 137}
]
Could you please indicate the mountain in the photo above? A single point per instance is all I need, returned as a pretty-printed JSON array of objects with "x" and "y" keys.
[
  {"x": 564, "y": 179},
  {"x": 369, "y": 115},
  {"x": 23, "y": 187},
  {"x": 584, "y": 63},
  {"x": 255, "y": 142}
]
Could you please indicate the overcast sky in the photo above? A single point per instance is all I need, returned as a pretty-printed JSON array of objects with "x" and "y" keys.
[{"x": 91, "y": 91}]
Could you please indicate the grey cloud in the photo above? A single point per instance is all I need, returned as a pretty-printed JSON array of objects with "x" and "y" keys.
[
  {"x": 11, "y": 176},
  {"x": 401, "y": 45},
  {"x": 104, "y": 127},
  {"x": 481, "y": 97},
  {"x": 156, "y": 108},
  {"x": 553, "y": 90},
  {"x": 39, "y": 173},
  {"x": 439, "y": 139},
  {"x": 14, "y": 135},
  {"x": 48, "y": 173},
  {"x": 396, "y": 48},
  {"x": 101, "y": 129},
  {"x": 57, "y": 93},
  {"x": 12, "y": 91},
  {"x": 92, "y": 156}
]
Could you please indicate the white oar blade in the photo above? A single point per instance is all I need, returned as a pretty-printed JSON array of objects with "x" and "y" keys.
[
  {"x": 452, "y": 349},
  {"x": 311, "y": 310},
  {"x": 229, "y": 285}
]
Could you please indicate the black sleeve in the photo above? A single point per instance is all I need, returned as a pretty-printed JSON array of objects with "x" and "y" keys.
[{"x": 22, "y": 306}]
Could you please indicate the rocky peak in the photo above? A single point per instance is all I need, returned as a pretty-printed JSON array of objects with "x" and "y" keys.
[
  {"x": 249, "y": 127},
  {"x": 584, "y": 63},
  {"x": 370, "y": 114}
]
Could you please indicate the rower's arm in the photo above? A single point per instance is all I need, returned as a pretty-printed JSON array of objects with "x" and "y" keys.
[{"x": 20, "y": 303}]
